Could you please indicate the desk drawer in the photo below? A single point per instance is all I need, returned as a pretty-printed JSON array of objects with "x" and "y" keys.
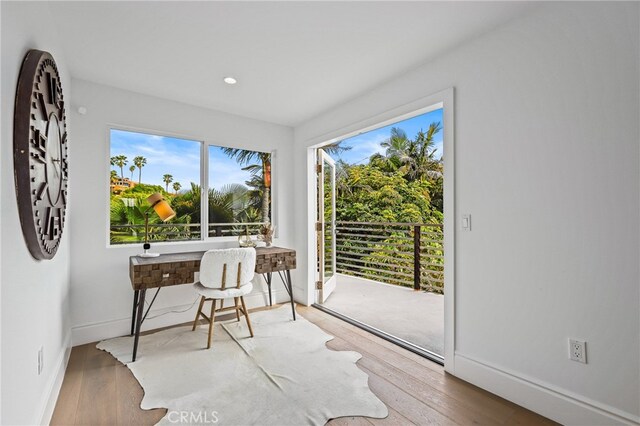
[
  {"x": 164, "y": 274},
  {"x": 273, "y": 262}
]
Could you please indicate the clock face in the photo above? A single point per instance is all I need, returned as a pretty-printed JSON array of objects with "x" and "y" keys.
[{"x": 40, "y": 154}]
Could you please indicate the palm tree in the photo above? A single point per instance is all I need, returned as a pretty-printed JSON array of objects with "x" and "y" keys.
[
  {"x": 396, "y": 145},
  {"x": 255, "y": 185},
  {"x": 421, "y": 150},
  {"x": 414, "y": 158},
  {"x": 139, "y": 162},
  {"x": 119, "y": 161},
  {"x": 228, "y": 204},
  {"x": 397, "y": 154},
  {"x": 343, "y": 186},
  {"x": 246, "y": 157},
  {"x": 335, "y": 148},
  {"x": 188, "y": 204},
  {"x": 176, "y": 187},
  {"x": 132, "y": 168},
  {"x": 167, "y": 179},
  {"x": 114, "y": 176}
]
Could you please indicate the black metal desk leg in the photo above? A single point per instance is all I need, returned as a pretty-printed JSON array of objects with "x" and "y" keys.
[
  {"x": 290, "y": 285},
  {"x": 138, "y": 322},
  {"x": 269, "y": 285},
  {"x": 133, "y": 314}
]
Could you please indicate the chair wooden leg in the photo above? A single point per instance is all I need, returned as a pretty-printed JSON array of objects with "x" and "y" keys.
[
  {"x": 195, "y": 322},
  {"x": 246, "y": 315},
  {"x": 211, "y": 322},
  {"x": 235, "y": 299}
]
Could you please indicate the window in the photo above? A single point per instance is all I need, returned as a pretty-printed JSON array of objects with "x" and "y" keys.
[
  {"x": 239, "y": 191},
  {"x": 238, "y": 187}
]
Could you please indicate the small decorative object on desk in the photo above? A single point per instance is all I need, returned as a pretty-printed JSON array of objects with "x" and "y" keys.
[
  {"x": 266, "y": 234},
  {"x": 245, "y": 239}
]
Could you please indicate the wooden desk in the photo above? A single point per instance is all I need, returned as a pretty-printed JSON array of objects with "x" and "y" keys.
[{"x": 180, "y": 268}]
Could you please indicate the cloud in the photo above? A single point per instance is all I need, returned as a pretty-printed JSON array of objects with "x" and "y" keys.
[
  {"x": 225, "y": 171},
  {"x": 363, "y": 146}
]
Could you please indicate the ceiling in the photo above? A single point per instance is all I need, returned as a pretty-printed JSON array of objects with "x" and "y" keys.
[{"x": 293, "y": 60}]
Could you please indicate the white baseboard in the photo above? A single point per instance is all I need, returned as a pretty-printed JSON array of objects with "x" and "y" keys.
[
  {"x": 97, "y": 331},
  {"x": 548, "y": 400},
  {"x": 50, "y": 396}
]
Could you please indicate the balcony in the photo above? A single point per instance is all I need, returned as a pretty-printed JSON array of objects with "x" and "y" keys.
[
  {"x": 405, "y": 254},
  {"x": 390, "y": 276}
]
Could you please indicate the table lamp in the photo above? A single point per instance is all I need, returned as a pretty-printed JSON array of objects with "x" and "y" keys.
[{"x": 163, "y": 210}]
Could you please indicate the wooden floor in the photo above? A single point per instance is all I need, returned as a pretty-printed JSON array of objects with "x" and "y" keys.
[{"x": 98, "y": 390}]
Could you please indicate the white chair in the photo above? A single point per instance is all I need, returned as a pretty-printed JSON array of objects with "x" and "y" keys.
[{"x": 221, "y": 267}]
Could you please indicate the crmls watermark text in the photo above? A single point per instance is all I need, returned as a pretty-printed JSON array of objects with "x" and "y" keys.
[{"x": 190, "y": 417}]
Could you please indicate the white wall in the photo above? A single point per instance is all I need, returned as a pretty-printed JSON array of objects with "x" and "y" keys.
[
  {"x": 101, "y": 290},
  {"x": 34, "y": 294},
  {"x": 547, "y": 162}
]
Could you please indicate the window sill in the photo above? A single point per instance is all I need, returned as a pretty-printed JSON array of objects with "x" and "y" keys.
[{"x": 177, "y": 243}]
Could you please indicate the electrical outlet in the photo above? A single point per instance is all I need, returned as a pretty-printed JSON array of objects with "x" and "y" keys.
[
  {"x": 578, "y": 350},
  {"x": 40, "y": 360}
]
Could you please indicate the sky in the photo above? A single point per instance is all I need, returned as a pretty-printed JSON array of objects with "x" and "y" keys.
[
  {"x": 365, "y": 145},
  {"x": 181, "y": 157},
  {"x": 177, "y": 157},
  {"x": 224, "y": 170}
]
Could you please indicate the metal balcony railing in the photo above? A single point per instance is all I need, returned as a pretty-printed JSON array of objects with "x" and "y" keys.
[
  {"x": 129, "y": 234},
  {"x": 234, "y": 229},
  {"x": 407, "y": 254}
]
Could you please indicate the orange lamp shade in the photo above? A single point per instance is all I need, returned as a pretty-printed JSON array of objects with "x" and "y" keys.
[
  {"x": 161, "y": 207},
  {"x": 267, "y": 174}
]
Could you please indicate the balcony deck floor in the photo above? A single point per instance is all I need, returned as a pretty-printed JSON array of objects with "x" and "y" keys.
[{"x": 414, "y": 316}]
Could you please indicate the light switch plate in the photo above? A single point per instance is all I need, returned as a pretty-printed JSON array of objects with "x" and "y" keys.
[{"x": 466, "y": 222}]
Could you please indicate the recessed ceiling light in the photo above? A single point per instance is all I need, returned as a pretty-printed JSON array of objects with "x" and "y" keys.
[{"x": 230, "y": 80}]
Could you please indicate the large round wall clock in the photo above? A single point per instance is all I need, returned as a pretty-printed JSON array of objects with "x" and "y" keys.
[{"x": 40, "y": 154}]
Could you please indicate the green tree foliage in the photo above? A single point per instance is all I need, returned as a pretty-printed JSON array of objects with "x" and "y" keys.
[
  {"x": 377, "y": 196},
  {"x": 139, "y": 162},
  {"x": 229, "y": 204},
  {"x": 402, "y": 185},
  {"x": 187, "y": 204}
]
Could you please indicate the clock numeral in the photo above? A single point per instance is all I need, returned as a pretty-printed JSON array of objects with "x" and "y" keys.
[
  {"x": 52, "y": 84},
  {"x": 44, "y": 223},
  {"x": 39, "y": 193},
  {"x": 42, "y": 106},
  {"x": 52, "y": 223},
  {"x": 39, "y": 142}
]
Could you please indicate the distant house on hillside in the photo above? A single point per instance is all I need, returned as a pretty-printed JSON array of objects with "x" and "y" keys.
[{"x": 120, "y": 184}]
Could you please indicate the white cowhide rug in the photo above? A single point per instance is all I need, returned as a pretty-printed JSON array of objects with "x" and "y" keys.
[{"x": 285, "y": 375}]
